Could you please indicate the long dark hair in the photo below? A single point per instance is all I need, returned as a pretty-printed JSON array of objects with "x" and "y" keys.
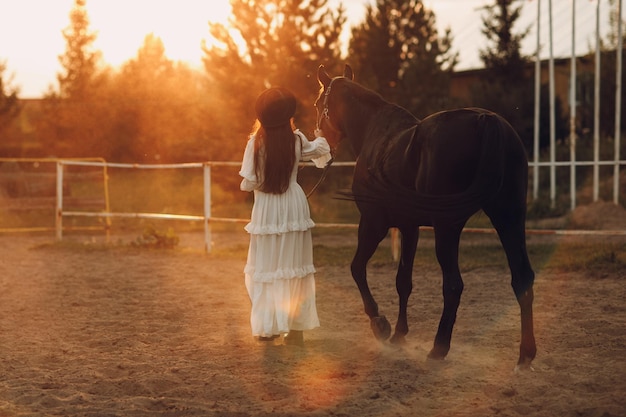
[{"x": 277, "y": 148}]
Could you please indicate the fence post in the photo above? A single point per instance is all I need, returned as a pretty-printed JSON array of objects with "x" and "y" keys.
[
  {"x": 59, "y": 207},
  {"x": 207, "y": 206}
]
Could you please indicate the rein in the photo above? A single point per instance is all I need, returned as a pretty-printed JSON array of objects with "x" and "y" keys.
[{"x": 321, "y": 179}]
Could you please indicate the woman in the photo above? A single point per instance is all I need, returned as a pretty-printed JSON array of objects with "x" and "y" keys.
[{"x": 279, "y": 272}]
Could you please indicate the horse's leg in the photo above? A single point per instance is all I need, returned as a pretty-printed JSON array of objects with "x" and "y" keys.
[
  {"x": 404, "y": 281},
  {"x": 369, "y": 236},
  {"x": 447, "y": 239},
  {"x": 509, "y": 222}
]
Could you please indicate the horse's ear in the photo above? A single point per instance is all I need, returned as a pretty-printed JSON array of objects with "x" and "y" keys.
[
  {"x": 347, "y": 72},
  {"x": 322, "y": 76}
]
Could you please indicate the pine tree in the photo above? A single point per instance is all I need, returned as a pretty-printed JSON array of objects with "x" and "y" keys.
[
  {"x": 74, "y": 112},
  {"x": 284, "y": 42},
  {"x": 508, "y": 77},
  {"x": 505, "y": 85},
  {"x": 9, "y": 107},
  {"x": 157, "y": 115},
  {"x": 79, "y": 62},
  {"x": 397, "y": 52},
  {"x": 503, "y": 59},
  {"x": 608, "y": 85}
]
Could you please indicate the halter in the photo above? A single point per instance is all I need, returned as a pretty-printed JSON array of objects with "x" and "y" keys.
[
  {"x": 317, "y": 127},
  {"x": 324, "y": 114}
]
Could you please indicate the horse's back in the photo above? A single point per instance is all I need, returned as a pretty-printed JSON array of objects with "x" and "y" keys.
[{"x": 454, "y": 146}]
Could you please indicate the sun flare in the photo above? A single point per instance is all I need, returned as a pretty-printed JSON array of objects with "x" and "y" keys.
[{"x": 122, "y": 26}]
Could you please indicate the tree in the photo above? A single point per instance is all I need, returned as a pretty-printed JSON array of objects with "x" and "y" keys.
[
  {"x": 507, "y": 80},
  {"x": 157, "y": 116},
  {"x": 9, "y": 107},
  {"x": 608, "y": 86},
  {"x": 79, "y": 62},
  {"x": 9, "y": 110},
  {"x": 503, "y": 59},
  {"x": 282, "y": 43},
  {"x": 397, "y": 52},
  {"x": 74, "y": 110}
]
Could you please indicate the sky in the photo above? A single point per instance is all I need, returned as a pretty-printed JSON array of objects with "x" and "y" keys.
[{"x": 31, "y": 30}]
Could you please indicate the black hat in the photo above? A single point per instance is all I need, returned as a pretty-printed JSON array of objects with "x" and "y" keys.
[{"x": 275, "y": 107}]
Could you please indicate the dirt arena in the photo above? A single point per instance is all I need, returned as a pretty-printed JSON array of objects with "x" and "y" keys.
[{"x": 136, "y": 332}]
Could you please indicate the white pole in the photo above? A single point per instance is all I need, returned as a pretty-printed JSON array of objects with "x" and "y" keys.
[
  {"x": 537, "y": 107},
  {"x": 207, "y": 206},
  {"x": 618, "y": 103},
  {"x": 59, "y": 207},
  {"x": 572, "y": 114},
  {"x": 596, "y": 112},
  {"x": 552, "y": 116}
]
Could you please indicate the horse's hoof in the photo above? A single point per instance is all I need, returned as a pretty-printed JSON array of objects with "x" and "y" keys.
[
  {"x": 437, "y": 354},
  {"x": 523, "y": 368},
  {"x": 397, "y": 339},
  {"x": 381, "y": 327},
  {"x": 524, "y": 365}
]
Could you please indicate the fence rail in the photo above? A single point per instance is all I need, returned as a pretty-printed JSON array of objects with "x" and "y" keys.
[{"x": 61, "y": 202}]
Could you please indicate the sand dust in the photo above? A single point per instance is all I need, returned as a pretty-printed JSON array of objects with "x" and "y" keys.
[{"x": 135, "y": 332}]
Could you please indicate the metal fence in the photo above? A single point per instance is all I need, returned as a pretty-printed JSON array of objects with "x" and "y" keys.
[{"x": 60, "y": 201}]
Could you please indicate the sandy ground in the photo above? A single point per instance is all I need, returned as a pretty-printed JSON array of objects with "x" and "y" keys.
[{"x": 136, "y": 332}]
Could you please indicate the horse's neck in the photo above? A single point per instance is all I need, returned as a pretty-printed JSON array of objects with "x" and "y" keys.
[{"x": 377, "y": 124}]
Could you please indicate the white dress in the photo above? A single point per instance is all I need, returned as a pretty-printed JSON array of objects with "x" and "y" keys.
[{"x": 279, "y": 271}]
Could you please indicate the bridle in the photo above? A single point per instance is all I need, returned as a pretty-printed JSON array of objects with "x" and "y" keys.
[{"x": 324, "y": 116}]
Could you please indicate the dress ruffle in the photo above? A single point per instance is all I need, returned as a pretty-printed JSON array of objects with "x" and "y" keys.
[
  {"x": 285, "y": 273},
  {"x": 296, "y": 226},
  {"x": 280, "y": 213},
  {"x": 280, "y": 256}
]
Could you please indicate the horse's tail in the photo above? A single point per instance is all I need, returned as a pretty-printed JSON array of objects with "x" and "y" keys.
[
  {"x": 487, "y": 182},
  {"x": 489, "y": 178}
]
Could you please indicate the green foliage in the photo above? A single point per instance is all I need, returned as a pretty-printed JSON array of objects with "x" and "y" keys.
[
  {"x": 475, "y": 252},
  {"x": 504, "y": 59},
  {"x": 596, "y": 259},
  {"x": 541, "y": 208},
  {"x": 155, "y": 110},
  {"x": 505, "y": 86},
  {"x": 397, "y": 52},
  {"x": 507, "y": 79},
  {"x": 608, "y": 86}
]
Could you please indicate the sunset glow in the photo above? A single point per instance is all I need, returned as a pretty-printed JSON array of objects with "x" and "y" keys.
[
  {"x": 120, "y": 25},
  {"x": 181, "y": 26},
  {"x": 31, "y": 38}
]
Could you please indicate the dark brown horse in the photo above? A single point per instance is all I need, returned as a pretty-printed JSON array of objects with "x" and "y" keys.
[{"x": 436, "y": 172}]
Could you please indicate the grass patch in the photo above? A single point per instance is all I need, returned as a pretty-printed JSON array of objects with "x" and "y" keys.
[
  {"x": 239, "y": 251},
  {"x": 596, "y": 259}
]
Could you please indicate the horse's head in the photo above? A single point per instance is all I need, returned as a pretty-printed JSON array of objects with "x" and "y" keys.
[{"x": 329, "y": 111}]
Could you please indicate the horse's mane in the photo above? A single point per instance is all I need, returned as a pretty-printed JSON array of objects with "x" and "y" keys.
[
  {"x": 365, "y": 94},
  {"x": 365, "y": 98}
]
